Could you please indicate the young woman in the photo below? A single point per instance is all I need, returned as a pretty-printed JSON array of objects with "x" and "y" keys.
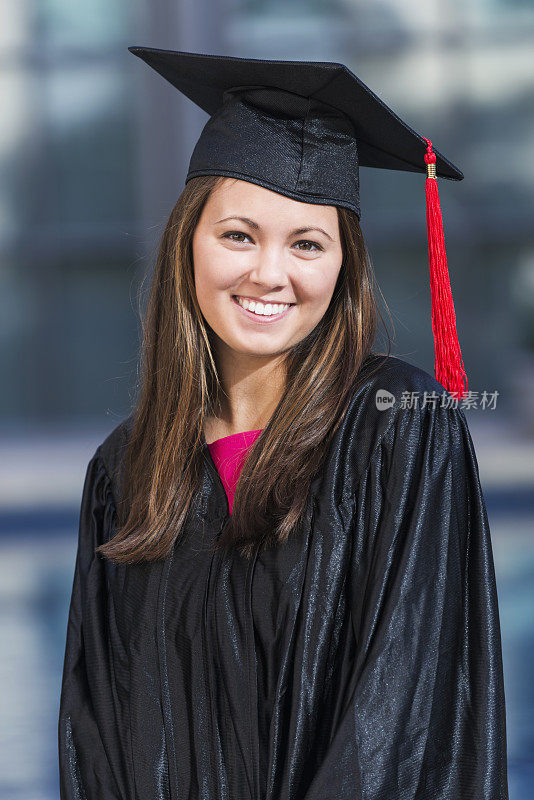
[{"x": 284, "y": 586}]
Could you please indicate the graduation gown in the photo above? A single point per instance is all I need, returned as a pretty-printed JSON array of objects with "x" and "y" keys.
[{"x": 359, "y": 661}]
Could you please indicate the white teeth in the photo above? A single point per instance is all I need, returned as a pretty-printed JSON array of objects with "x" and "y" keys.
[{"x": 266, "y": 310}]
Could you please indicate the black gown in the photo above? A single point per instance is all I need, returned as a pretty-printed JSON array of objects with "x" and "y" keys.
[{"x": 360, "y": 661}]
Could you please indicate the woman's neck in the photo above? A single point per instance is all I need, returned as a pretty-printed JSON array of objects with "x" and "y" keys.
[
  {"x": 251, "y": 390},
  {"x": 216, "y": 429}
]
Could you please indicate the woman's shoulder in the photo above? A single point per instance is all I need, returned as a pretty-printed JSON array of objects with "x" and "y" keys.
[
  {"x": 396, "y": 376},
  {"x": 110, "y": 451},
  {"x": 390, "y": 384},
  {"x": 392, "y": 405}
]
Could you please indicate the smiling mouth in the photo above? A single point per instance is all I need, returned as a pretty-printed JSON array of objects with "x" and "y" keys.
[{"x": 256, "y": 309}]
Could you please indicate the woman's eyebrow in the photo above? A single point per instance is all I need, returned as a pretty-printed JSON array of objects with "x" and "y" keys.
[{"x": 255, "y": 225}]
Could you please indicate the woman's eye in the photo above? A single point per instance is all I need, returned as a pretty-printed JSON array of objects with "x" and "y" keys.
[
  {"x": 234, "y": 233},
  {"x": 315, "y": 244}
]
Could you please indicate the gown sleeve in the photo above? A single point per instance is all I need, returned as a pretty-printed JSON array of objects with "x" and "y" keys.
[
  {"x": 428, "y": 709},
  {"x": 88, "y": 743}
]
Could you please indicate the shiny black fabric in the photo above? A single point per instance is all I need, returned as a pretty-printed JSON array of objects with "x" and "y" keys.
[
  {"x": 361, "y": 661},
  {"x": 299, "y": 128}
]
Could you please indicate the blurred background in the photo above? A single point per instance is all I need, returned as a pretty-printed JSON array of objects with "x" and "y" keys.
[{"x": 94, "y": 148}]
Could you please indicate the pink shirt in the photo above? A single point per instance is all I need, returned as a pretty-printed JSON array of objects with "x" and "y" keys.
[{"x": 228, "y": 454}]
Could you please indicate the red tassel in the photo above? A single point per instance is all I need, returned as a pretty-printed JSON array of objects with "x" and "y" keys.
[{"x": 448, "y": 365}]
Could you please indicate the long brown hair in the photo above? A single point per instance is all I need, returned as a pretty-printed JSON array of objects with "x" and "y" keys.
[{"x": 179, "y": 386}]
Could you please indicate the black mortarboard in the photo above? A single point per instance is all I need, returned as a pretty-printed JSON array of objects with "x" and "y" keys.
[{"x": 303, "y": 129}]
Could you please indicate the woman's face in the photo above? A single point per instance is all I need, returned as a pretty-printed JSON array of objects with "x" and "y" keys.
[{"x": 256, "y": 245}]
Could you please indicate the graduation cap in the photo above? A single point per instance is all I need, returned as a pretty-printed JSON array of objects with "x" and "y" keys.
[{"x": 303, "y": 129}]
